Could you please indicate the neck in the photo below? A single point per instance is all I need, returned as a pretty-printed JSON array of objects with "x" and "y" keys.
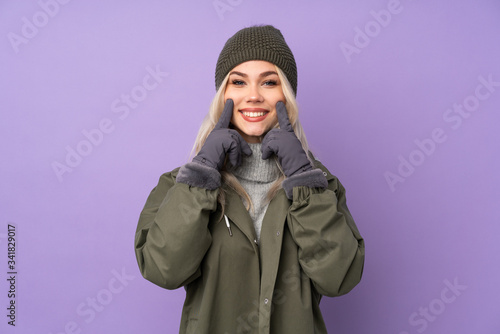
[{"x": 254, "y": 168}]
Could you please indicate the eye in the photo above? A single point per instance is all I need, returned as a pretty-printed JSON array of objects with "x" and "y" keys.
[
  {"x": 270, "y": 83},
  {"x": 237, "y": 82}
]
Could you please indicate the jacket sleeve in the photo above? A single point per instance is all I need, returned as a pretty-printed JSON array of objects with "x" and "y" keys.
[
  {"x": 331, "y": 249},
  {"x": 172, "y": 235}
]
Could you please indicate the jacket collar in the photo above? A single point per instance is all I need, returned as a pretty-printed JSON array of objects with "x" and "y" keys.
[
  {"x": 235, "y": 210},
  {"x": 273, "y": 219}
]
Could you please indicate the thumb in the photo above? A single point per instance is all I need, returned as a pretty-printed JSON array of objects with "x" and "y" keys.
[
  {"x": 245, "y": 148},
  {"x": 283, "y": 119},
  {"x": 266, "y": 150},
  {"x": 225, "y": 117}
]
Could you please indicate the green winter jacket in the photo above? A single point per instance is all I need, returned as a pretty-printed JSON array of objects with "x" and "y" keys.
[{"x": 308, "y": 247}]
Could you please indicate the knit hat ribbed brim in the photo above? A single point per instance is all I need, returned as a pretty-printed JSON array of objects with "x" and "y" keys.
[{"x": 256, "y": 43}]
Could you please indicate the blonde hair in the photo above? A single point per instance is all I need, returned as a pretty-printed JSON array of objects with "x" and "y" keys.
[{"x": 214, "y": 113}]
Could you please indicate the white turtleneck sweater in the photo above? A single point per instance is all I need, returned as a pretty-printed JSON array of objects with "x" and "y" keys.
[{"x": 256, "y": 176}]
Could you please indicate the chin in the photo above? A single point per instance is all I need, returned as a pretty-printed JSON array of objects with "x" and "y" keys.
[
  {"x": 252, "y": 136},
  {"x": 258, "y": 133}
]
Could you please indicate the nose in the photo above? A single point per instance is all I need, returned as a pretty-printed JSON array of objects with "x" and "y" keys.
[{"x": 254, "y": 94}]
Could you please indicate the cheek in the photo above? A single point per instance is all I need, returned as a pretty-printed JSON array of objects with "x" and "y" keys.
[
  {"x": 276, "y": 96},
  {"x": 281, "y": 97},
  {"x": 231, "y": 94},
  {"x": 274, "y": 121},
  {"x": 235, "y": 112},
  {"x": 227, "y": 93}
]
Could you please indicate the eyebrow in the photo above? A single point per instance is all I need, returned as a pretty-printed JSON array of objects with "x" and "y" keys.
[{"x": 263, "y": 74}]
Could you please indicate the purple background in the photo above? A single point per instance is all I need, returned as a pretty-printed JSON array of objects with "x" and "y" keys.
[{"x": 360, "y": 112}]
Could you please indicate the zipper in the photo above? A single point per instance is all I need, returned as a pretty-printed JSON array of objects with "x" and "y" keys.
[{"x": 228, "y": 226}]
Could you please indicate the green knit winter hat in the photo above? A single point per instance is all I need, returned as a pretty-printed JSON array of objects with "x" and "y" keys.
[{"x": 256, "y": 43}]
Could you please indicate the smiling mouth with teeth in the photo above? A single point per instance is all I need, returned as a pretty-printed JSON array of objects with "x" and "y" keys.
[{"x": 253, "y": 114}]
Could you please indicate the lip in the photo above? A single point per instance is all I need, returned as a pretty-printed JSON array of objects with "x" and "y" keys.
[{"x": 254, "y": 119}]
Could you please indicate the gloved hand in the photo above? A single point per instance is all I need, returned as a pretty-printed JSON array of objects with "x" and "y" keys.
[
  {"x": 284, "y": 143},
  {"x": 223, "y": 141}
]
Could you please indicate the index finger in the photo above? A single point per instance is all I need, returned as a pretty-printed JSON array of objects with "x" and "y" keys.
[
  {"x": 226, "y": 115},
  {"x": 282, "y": 114}
]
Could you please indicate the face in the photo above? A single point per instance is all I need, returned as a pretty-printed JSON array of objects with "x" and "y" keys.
[{"x": 255, "y": 88}]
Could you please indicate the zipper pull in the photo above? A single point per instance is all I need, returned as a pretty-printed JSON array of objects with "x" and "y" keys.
[{"x": 228, "y": 226}]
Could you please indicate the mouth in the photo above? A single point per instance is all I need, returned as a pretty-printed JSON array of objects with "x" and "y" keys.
[{"x": 254, "y": 114}]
